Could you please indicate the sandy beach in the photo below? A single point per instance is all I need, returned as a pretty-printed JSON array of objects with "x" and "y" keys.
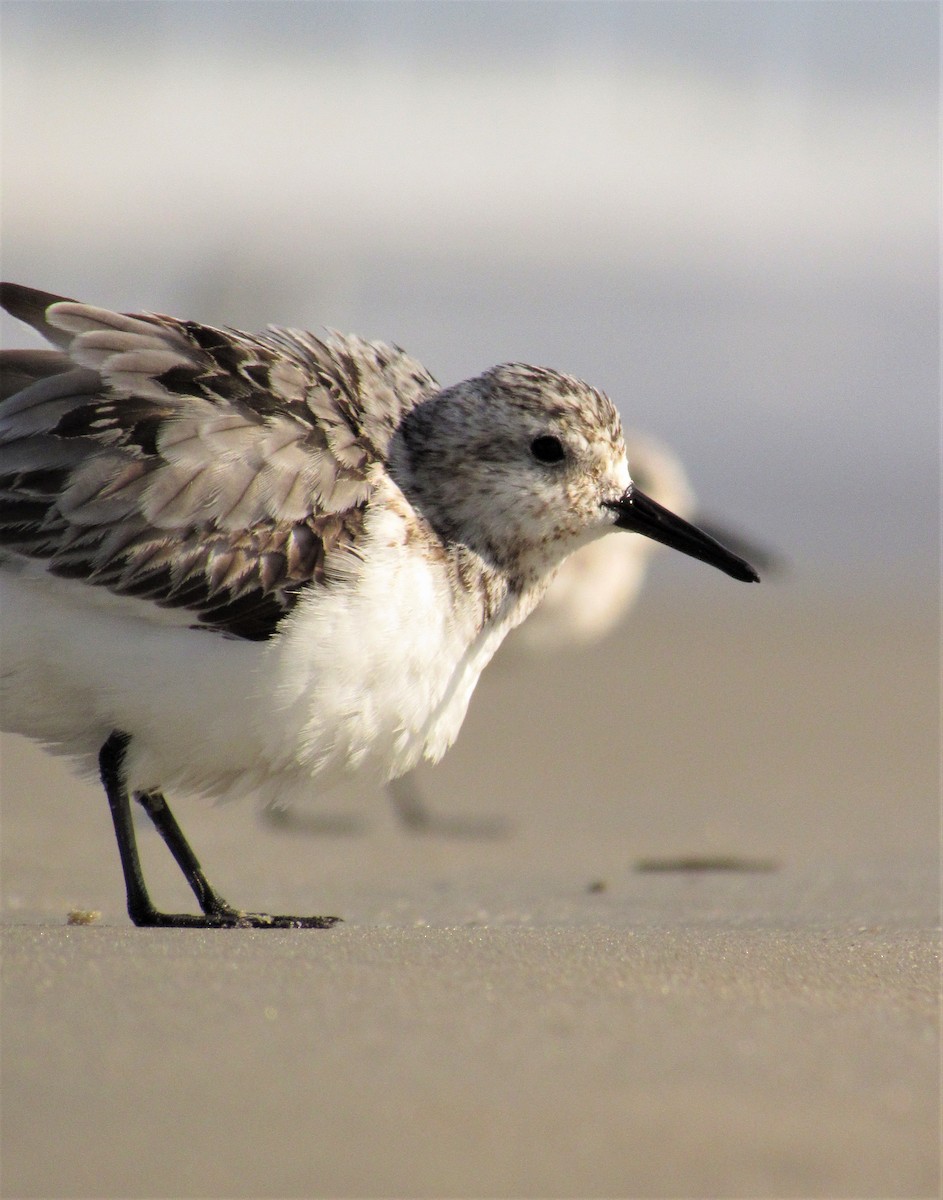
[
  {"x": 698, "y": 958},
  {"x": 675, "y": 930}
]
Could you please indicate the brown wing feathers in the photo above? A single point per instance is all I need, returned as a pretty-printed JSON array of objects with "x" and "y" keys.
[{"x": 178, "y": 463}]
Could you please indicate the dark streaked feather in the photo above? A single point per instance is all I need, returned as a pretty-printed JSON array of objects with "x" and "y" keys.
[
  {"x": 21, "y": 368},
  {"x": 203, "y": 469}
]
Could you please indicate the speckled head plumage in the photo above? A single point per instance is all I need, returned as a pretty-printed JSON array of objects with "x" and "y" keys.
[{"x": 518, "y": 463}]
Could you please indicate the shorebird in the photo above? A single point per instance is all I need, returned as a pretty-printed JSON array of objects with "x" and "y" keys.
[{"x": 241, "y": 563}]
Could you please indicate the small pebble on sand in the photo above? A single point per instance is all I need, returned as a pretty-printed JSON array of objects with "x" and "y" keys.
[{"x": 83, "y": 916}]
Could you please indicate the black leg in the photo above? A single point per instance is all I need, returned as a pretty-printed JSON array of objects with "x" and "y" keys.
[
  {"x": 110, "y": 758},
  {"x": 217, "y": 913},
  {"x": 165, "y": 822},
  {"x": 409, "y": 805}
]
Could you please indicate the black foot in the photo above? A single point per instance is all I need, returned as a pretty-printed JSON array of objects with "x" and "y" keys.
[{"x": 228, "y": 918}]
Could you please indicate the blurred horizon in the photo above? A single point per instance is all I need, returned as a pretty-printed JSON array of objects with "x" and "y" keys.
[{"x": 725, "y": 215}]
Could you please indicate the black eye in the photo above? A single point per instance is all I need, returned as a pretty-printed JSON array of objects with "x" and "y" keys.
[{"x": 547, "y": 449}]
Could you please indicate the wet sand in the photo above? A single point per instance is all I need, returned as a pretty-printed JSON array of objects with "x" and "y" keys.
[{"x": 533, "y": 1011}]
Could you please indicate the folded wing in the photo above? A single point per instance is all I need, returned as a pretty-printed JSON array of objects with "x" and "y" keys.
[{"x": 201, "y": 469}]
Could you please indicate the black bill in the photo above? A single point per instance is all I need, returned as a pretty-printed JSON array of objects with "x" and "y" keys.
[
  {"x": 641, "y": 514},
  {"x": 764, "y": 558}
]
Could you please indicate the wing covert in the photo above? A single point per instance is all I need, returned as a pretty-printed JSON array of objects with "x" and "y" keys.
[{"x": 196, "y": 468}]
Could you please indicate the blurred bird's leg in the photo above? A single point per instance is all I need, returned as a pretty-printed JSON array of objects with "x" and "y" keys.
[
  {"x": 415, "y": 815},
  {"x": 408, "y": 804}
]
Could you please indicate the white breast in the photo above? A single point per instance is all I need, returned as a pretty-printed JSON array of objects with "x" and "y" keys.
[
  {"x": 378, "y": 676},
  {"x": 371, "y": 673}
]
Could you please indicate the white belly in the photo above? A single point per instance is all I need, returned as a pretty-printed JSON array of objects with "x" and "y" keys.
[{"x": 371, "y": 677}]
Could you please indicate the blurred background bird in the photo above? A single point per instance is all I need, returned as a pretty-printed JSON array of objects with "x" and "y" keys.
[{"x": 589, "y": 600}]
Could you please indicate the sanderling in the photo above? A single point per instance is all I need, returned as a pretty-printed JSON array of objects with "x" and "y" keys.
[{"x": 237, "y": 563}]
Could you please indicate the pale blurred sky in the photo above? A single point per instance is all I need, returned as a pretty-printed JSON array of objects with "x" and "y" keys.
[{"x": 725, "y": 214}]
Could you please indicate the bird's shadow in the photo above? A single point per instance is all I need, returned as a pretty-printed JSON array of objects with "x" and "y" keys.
[
  {"x": 289, "y": 820},
  {"x": 411, "y": 810}
]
